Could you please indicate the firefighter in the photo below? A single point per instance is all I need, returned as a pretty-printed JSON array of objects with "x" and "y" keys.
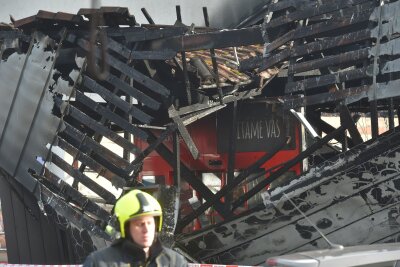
[{"x": 139, "y": 218}]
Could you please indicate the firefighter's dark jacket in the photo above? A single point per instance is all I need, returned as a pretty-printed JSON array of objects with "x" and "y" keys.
[{"x": 124, "y": 253}]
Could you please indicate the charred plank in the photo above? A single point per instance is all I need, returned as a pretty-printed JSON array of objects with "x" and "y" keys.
[
  {"x": 286, "y": 166},
  {"x": 343, "y": 58},
  {"x": 66, "y": 191},
  {"x": 229, "y": 187},
  {"x": 317, "y": 46},
  {"x": 318, "y": 28},
  {"x": 328, "y": 79},
  {"x": 114, "y": 99},
  {"x": 72, "y": 215},
  {"x": 101, "y": 129},
  {"x": 97, "y": 107},
  {"x": 129, "y": 71},
  {"x": 133, "y": 92},
  {"x": 203, "y": 41},
  {"x": 136, "y": 54},
  {"x": 85, "y": 142},
  {"x": 190, "y": 177},
  {"x": 312, "y": 11},
  {"x": 89, "y": 183},
  {"x": 88, "y": 161},
  {"x": 350, "y": 94}
]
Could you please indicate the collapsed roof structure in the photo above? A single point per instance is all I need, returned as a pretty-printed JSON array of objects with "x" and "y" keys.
[{"x": 153, "y": 81}]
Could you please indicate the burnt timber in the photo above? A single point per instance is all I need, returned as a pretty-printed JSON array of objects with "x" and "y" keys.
[{"x": 337, "y": 57}]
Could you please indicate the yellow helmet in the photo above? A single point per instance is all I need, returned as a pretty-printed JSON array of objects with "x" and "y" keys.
[{"x": 134, "y": 204}]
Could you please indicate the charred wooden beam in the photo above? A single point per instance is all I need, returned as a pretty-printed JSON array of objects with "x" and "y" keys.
[
  {"x": 349, "y": 95},
  {"x": 391, "y": 113},
  {"x": 190, "y": 177},
  {"x": 97, "y": 107},
  {"x": 153, "y": 144},
  {"x": 385, "y": 90},
  {"x": 252, "y": 63},
  {"x": 213, "y": 59},
  {"x": 227, "y": 99},
  {"x": 289, "y": 164},
  {"x": 89, "y": 183},
  {"x": 133, "y": 92},
  {"x": 91, "y": 163},
  {"x": 312, "y": 11},
  {"x": 286, "y": 4},
  {"x": 327, "y": 128},
  {"x": 136, "y": 54},
  {"x": 71, "y": 214},
  {"x": 231, "y": 154},
  {"x": 229, "y": 187},
  {"x": 177, "y": 163},
  {"x": 343, "y": 58},
  {"x": 129, "y": 71},
  {"x": 186, "y": 79},
  {"x": 114, "y": 99},
  {"x": 99, "y": 128},
  {"x": 184, "y": 132},
  {"x": 136, "y": 34},
  {"x": 374, "y": 118},
  {"x": 200, "y": 114},
  {"x": 203, "y": 41},
  {"x": 97, "y": 136},
  {"x": 390, "y": 66},
  {"x": 328, "y": 79},
  {"x": 147, "y": 15},
  {"x": 11, "y": 35},
  {"x": 317, "y": 46},
  {"x": 346, "y": 117},
  {"x": 318, "y": 28},
  {"x": 83, "y": 143},
  {"x": 254, "y": 18},
  {"x": 71, "y": 194}
]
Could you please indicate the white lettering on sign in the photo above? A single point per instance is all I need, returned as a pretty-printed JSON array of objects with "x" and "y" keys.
[{"x": 260, "y": 129}]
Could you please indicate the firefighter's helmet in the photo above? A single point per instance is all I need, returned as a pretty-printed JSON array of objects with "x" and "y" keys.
[{"x": 135, "y": 204}]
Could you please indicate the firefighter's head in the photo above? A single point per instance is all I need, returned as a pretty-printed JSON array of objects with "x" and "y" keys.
[{"x": 139, "y": 216}]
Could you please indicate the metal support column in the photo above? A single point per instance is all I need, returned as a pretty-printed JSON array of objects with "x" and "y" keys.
[
  {"x": 231, "y": 155},
  {"x": 177, "y": 163}
]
